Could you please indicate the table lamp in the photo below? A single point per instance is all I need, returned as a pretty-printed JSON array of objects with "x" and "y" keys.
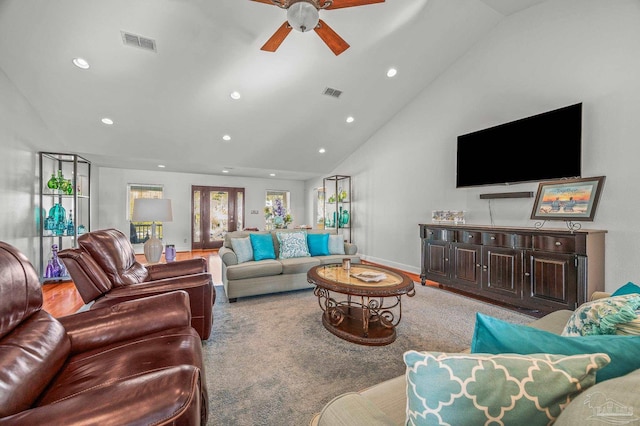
[{"x": 152, "y": 210}]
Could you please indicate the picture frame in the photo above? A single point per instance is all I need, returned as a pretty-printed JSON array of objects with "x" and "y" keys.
[{"x": 568, "y": 199}]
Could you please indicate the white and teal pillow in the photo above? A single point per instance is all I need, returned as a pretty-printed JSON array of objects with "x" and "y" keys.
[
  {"x": 602, "y": 316},
  {"x": 242, "y": 248},
  {"x": 336, "y": 244},
  {"x": 505, "y": 389},
  {"x": 293, "y": 244}
]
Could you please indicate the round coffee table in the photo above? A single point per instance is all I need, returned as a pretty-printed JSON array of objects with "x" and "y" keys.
[{"x": 362, "y": 304}]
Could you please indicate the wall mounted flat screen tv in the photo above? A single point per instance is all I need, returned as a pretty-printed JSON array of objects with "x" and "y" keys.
[{"x": 541, "y": 147}]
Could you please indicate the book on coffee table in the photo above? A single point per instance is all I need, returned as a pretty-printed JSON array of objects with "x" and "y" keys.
[{"x": 370, "y": 276}]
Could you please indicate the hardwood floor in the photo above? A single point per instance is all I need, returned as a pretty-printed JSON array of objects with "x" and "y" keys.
[{"x": 60, "y": 299}]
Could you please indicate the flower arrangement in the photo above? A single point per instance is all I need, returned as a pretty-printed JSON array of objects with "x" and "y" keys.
[{"x": 277, "y": 215}]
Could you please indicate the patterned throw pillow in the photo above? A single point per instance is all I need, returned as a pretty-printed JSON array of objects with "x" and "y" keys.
[
  {"x": 507, "y": 389},
  {"x": 601, "y": 316},
  {"x": 242, "y": 248},
  {"x": 293, "y": 244},
  {"x": 336, "y": 244}
]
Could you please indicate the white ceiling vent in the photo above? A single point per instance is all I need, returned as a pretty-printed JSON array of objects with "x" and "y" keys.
[
  {"x": 332, "y": 92},
  {"x": 138, "y": 41}
]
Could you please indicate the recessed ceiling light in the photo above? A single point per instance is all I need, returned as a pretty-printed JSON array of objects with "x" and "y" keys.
[
  {"x": 350, "y": 119},
  {"x": 235, "y": 95},
  {"x": 322, "y": 150},
  {"x": 272, "y": 174},
  {"x": 225, "y": 171},
  {"x": 162, "y": 166},
  {"x": 226, "y": 137},
  {"x": 81, "y": 63},
  {"x": 107, "y": 120},
  {"x": 392, "y": 72}
]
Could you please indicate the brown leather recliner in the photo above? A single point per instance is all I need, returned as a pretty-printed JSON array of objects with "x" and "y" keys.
[
  {"x": 104, "y": 270},
  {"x": 135, "y": 363}
]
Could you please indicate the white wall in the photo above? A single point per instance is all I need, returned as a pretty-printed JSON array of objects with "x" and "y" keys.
[
  {"x": 555, "y": 54},
  {"x": 112, "y": 195},
  {"x": 22, "y": 134}
]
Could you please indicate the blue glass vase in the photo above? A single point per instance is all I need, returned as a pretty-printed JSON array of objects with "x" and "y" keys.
[{"x": 59, "y": 215}]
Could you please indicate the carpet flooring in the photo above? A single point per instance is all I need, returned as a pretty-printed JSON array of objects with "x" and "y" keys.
[{"x": 269, "y": 360}]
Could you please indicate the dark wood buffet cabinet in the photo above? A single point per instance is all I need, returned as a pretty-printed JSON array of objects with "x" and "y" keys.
[{"x": 537, "y": 270}]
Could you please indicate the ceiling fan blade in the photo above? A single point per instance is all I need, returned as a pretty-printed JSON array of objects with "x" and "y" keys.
[
  {"x": 264, "y": 1},
  {"x": 277, "y": 38},
  {"x": 331, "y": 38},
  {"x": 339, "y": 4}
]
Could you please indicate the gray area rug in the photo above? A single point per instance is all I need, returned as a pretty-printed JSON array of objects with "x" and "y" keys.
[{"x": 270, "y": 361}]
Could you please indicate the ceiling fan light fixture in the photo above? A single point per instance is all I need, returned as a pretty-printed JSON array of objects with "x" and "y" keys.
[{"x": 303, "y": 16}]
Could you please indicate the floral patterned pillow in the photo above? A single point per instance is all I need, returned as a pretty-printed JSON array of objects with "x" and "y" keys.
[
  {"x": 507, "y": 389},
  {"x": 602, "y": 316},
  {"x": 293, "y": 244}
]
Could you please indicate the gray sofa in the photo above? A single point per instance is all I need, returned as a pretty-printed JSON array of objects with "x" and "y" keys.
[
  {"x": 386, "y": 402},
  {"x": 267, "y": 276}
]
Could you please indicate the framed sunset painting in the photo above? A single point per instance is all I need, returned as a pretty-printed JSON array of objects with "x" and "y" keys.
[{"x": 568, "y": 199}]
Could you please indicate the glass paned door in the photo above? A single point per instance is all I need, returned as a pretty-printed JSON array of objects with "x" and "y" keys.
[
  {"x": 218, "y": 215},
  {"x": 216, "y": 211}
]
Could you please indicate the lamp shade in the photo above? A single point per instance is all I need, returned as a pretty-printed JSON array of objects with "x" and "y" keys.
[
  {"x": 152, "y": 210},
  {"x": 302, "y": 16}
]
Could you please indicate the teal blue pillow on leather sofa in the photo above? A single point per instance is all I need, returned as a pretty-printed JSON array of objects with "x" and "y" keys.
[
  {"x": 262, "y": 245},
  {"x": 495, "y": 336},
  {"x": 318, "y": 244}
]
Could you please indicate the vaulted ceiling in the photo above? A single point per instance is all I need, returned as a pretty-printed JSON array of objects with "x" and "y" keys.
[{"x": 172, "y": 105}]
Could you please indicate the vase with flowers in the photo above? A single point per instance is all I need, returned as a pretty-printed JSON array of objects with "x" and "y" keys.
[{"x": 276, "y": 216}]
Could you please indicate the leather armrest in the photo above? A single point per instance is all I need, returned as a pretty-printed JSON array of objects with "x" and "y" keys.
[
  {"x": 167, "y": 396},
  {"x": 127, "y": 320},
  {"x": 163, "y": 286},
  {"x": 160, "y": 271}
]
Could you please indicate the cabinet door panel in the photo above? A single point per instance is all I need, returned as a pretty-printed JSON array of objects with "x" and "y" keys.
[
  {"x": 554, "y": 280},
  {"x": 437, "y": 257},
  {"x": 466, "y": 265},
  {"x": 502, "y": 272}
]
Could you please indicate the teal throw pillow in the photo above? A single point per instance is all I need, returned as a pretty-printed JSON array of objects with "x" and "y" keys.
[
  {"x": 336, "y": 244},
  {"x": 495, "y": 336},
  {"x": 486, "y": 389},
  {"x": 318, "y": 244},
  {"x": 628, "y": 288},
  {"x": 262, "y": 245},
  {"x": 293, "y": 244},
  {"x": 601, "y": 316},
  {"x": 242, "y": 248}
]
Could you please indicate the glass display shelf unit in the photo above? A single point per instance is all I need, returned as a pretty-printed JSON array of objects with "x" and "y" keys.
[
  {"x": 338, "y": 205},
  {"x": 64, "y": 210}
]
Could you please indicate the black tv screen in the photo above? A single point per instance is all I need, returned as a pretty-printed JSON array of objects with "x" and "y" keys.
[{"x": 541, "y": 147}]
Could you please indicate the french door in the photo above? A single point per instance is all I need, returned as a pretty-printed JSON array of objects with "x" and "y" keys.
[{"x": 214, "y": 212}]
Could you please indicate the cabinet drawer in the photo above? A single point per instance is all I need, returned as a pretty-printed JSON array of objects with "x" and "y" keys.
[
  {"x": 436, "y": 234},
  {"x": 497, "y": 239},
  {"x": 470, "y": 237},
  {"x": 554, "y": 244}
]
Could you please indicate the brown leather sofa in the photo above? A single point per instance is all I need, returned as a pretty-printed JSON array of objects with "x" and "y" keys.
[
  {"x": 104, "y": 270},
  {"x": 135, "y": 363}
]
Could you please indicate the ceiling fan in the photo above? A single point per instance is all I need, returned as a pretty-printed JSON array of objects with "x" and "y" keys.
[{"x": 303, "y": 16}]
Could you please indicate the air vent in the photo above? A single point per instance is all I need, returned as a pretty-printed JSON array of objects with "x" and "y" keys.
[
  {"x": 335, "y": 93},
  {"x": 138, "y": 41}
]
